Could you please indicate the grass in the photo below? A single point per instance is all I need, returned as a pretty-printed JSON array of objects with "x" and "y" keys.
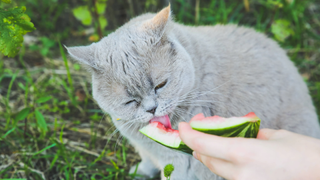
[{"x": 50, "y": 126}]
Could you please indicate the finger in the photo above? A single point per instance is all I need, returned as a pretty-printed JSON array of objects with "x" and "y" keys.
[
  {"x": 206, "y": 144},
  {"x": 218, "y": 166},
  {"x": 198, "y": 116},
  {"x": 265, "y": 134}
]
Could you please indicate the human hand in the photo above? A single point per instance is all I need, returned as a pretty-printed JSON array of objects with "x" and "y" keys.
[{"x": 275, "y": 154}]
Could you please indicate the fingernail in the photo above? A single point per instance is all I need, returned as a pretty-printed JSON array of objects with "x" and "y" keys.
[{"x": 195, "y": 155}]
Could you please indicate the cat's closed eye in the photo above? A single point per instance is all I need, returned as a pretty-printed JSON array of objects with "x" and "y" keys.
[
  {"x": 130, "y": 102},
  {"x": 161, "y": 85}
]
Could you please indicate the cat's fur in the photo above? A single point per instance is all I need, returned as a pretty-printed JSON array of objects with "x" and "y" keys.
[{"x": 220, "y": 70}]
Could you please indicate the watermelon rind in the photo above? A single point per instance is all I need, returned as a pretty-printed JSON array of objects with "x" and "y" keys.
[
  {"x": 168, "y": 139},
  {"x": 163, "y": 137},
  {"x": 246, "y": 129},
  {"x": 245, "y": 126}
]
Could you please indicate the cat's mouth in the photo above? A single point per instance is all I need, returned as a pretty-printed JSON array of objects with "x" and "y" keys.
[{"x": 165, "y": 120}]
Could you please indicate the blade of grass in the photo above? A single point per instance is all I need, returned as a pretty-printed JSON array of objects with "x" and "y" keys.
[
  {"x": 9, "y": 89},
  {"x": 48, "y": 147},
  {"x": 6, "y": 101},
  {"x": 41, "y": 121},
  {"x": 124, "y": 155},
  {"x": 68, "y": 74},
  {"x": 7, "y": 133}
]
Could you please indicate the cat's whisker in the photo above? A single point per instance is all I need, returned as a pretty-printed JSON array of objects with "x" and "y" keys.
[
  {"x": 117, "y": 130},
  {"x": 101, "y": 119}
]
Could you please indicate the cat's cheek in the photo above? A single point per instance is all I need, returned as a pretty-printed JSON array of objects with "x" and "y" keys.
[{"x": 187, "y": 82}]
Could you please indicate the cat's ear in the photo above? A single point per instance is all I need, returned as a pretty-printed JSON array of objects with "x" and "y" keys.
[
  {"x": 83, "y": 54},
  {"x": 156, "y": 26}
]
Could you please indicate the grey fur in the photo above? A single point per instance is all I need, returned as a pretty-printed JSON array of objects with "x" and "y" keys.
[{"x": 220, "y": 70}]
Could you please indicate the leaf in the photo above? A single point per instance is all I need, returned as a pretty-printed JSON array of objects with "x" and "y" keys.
[
  {"x": 44, "y": 51},
  {"x": 6, "y": 1},
  {"x": 43, "y": 99},
  {"x": 76, "y": 67},
  {"x": 47, "y": 42},
  {"x": 40, "y": 120},
  {"x": 83, "y": 14},
  {"x": 168, "y": 169},
  {"x": 101, "y": 7},
  {"x": 22, "y": 114},
  {"x": 21, "y": 86},
  {"x": 281, "y": 29},
  {"x": 7, "y": 133},
  {"x": 275, "y": 3},
  {"x": 94, "y": 38},
  {"x": 48, "y": 147},
  {"x": 103, "y": 22},
  {"x": 13, "y": 25}
]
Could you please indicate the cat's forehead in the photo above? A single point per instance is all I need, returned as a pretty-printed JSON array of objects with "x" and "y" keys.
[{"x": 126, "y": 55}]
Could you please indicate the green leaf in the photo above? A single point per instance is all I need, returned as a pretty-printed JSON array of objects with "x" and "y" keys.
[
  {"x": 281, "y": 29},
  {"x": 43, "y": 99},
  {"x": 83, "y": 14},
  {"x": 47, "y": 42},
  {"x": 44, "y": 51},
  {"x": 101, "y": 7},
  {"x": 168, "y": 169},
  {"x": 13, "y": 25},
  {"x": 48, "y": 147},
  {"x": 6, "y": 1},
  {"x": 103, "y": 22},
  {"x": 95, "y": 117},
  {"x": 21, "y": 86},
  {"x": 40, "y": 120},
  {"x": 276, "y": 3},
  {"x": 22, "y": 114},
  {"x": 114, "y": 164},
  {"x": 76, "y": 67},
  {"x": 7, "y": 133}
]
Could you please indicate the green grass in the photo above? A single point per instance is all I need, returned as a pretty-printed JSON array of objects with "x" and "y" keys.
[{"x": 50, "y": 125}]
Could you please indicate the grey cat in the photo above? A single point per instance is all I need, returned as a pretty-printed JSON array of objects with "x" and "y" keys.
[{"x": 152, "y": 67}]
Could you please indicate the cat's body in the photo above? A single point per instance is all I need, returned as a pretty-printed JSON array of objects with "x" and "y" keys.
[{"x": 217, "y": 70}]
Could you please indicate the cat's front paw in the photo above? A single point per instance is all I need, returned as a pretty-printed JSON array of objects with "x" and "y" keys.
[{"x": 144, "y": 171}]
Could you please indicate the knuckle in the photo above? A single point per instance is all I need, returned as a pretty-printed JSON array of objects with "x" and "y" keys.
[
  {"x": 281, "y": 133},
  {"x": 209, "y": 164}
]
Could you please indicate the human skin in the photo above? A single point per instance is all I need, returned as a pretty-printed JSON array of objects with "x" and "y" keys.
[{"x": 275, "y": 154}]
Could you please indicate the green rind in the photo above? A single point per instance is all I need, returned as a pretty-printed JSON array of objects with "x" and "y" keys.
[
  {"x": 182, "y": 147},
  {"x": 247, "y": 129}
]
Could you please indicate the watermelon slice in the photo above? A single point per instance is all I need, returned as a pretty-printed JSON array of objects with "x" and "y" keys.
[
  {"x": 245, "y": 126},
  {"x": 165, "y": 136},
  {"x": 161, "y": 132}
]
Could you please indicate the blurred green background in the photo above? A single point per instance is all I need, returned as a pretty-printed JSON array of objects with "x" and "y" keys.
[{"x": 51, "y": 128}]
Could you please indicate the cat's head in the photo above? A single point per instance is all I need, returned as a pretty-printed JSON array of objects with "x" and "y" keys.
[{"x": 140, "y": 71}]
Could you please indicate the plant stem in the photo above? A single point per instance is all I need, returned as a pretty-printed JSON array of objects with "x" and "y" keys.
[
  {"x": 197, "y": 12},
  {"x": 246, "y": 5},
  {"x": 95, "y": 12}
]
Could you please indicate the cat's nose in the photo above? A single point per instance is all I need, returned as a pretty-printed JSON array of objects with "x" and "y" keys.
[{"x": 152, "y": 110}]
